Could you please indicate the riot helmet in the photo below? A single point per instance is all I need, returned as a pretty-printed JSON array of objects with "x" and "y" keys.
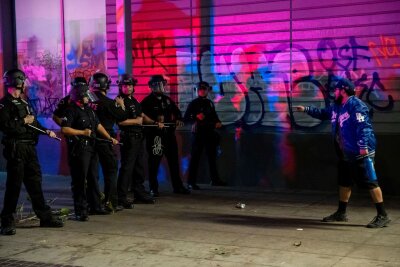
[
  {"x": 14, "y": 78},
  {"x": 157, "y": 84},
  {"x": 78, "y": 80},
  {"x": 203, "y": 88},
  {"x": 80, "y": 90},
  {"x": 126, "y": 79},
  {"x": 100, "y": 81}
]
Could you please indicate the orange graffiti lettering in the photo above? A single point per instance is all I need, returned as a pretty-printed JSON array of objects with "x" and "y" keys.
[{"x": 388, "y": 49}]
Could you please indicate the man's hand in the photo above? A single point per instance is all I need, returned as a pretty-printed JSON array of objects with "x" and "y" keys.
[
  {"x": 120, "y": 102},
  {"x": 299, "y": 108},
  {"x": 87, "y": 132},
  {"x": 364, "y": 151},
  {"x": 139, "y": 120},
  {"x": 51, "y": 134},
  {"x": 218, "y": 125},
  {"x": 200, "y": 116},
  {"x": 179, "y": 123},
  {"x": 160, "y": 125},
  {"x": 29, "y": 119},
  {"x": 114, "y": 141}
]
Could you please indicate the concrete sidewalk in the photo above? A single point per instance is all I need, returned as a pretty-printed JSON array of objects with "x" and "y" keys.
[{"x": 276, "y": 228}]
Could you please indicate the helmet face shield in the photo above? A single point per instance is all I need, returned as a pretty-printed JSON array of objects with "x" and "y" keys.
[
  {"x": 158, "y": 87},
  {"x": 91, "y": 96},
  {"x": 158, "y": 84},
  {"x": 15, "y": 78},
  {"x": 81, "y": 91}
]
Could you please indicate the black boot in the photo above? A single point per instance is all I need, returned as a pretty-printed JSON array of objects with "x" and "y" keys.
[{"x": 7, "y": 226}]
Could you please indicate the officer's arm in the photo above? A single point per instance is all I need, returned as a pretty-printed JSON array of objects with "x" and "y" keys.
[
  {"x": 66, "y": 126},
  {"x": 8, "y": 125},
  {"x": 148, "y": 120},
  {"x": 176, "y": 111},
  {"x": 57, "y": 120},
  {"x": 129, "y": 122},
  {"x": 59, "y": 112},
  {"x": 105, "y": 134},
  {"x": 214, "y": 115},
  {"x": 189, "y": 116},
  {"x": 116, "y": 111},
  {"x": 71, "y": 131}
]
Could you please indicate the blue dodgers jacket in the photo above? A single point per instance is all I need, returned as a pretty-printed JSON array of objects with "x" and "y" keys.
[{"x": 355, "y": 131}]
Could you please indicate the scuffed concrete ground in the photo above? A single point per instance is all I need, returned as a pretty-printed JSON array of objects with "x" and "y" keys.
[{"x": 276, "y": 228}]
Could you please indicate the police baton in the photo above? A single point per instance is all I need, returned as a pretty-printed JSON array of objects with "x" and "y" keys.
[
  {"x": 106, "y": 140},
  {"x": 154, "y": 125},
  {"x": 42, "y": 131}
]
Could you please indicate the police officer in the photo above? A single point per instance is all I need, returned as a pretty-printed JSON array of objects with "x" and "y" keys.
[
  {"x": 58, "y": 114},
  {"x": 108, "y": 111},
  {"x": 201, "y": 112},
  {"x": 80, "y": 125},
  {"x": 132, "y": 167},
  {"x": 162, "y": 141},
  {"x": 21, "y": 129},
  {"x": 64, "y": 103}
]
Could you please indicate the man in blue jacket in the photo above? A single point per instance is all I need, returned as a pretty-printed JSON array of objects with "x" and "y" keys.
[{"x": 355, "y": 142}]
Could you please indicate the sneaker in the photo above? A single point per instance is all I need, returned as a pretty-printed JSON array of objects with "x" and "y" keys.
[
  {"x": 8, "y": 230},
  {"x": 154, "y": 193},
  {"x": 379, "y": 221},
  {"x": 182, "y": 190},
  {"x": 53, "y": 222},
  {"x": 218, "y": 183},
  {"x": 193, "y": 187},
  {"x": 99, "y": 211},
  {"x": 82, "y": 217},
  {"x": 126, "y": 205},
  {"x": 144, "y": 200},
  {"x": 336, "y": 217}
]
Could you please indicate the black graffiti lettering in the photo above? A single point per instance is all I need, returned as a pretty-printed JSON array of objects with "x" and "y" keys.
[
  {"x": 146, "y": 43},
  {"x": 327, "y": 46}
]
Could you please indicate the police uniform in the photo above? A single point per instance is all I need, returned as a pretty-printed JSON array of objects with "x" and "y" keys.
[
  {"x": 203, "y": 137},
  {"x": 83, "y": 159},
  {"x": 132, "y": 167},
  {"x": 61, "y": 107},
  {"x": 159, "y": 142},
  {"x": 108, "y": 113},
  {"x": 19, "y": 142}
]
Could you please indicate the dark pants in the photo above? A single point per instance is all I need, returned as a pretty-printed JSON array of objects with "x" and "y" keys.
[
  {"x": 83, "y": 162},
  {"x": 109, "y": 166},
  {"x": 158, "y": 144},
  {"x": 23, "y": 166},
  {"x": 207, "y": 140},
  {"x": 132, "y": 168}
]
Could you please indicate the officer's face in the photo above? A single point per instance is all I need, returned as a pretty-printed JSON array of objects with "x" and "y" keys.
[
  {"x": 85, "y": 100},
  {"x": 15, "y": 92},
  {"x": 203, "y": 91},
  {"x": 158, "y": 87},
  {"x": 127, "y": 89}
]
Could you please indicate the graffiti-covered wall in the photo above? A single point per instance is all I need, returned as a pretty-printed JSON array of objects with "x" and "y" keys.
[{"x": 262, "y": 57}]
